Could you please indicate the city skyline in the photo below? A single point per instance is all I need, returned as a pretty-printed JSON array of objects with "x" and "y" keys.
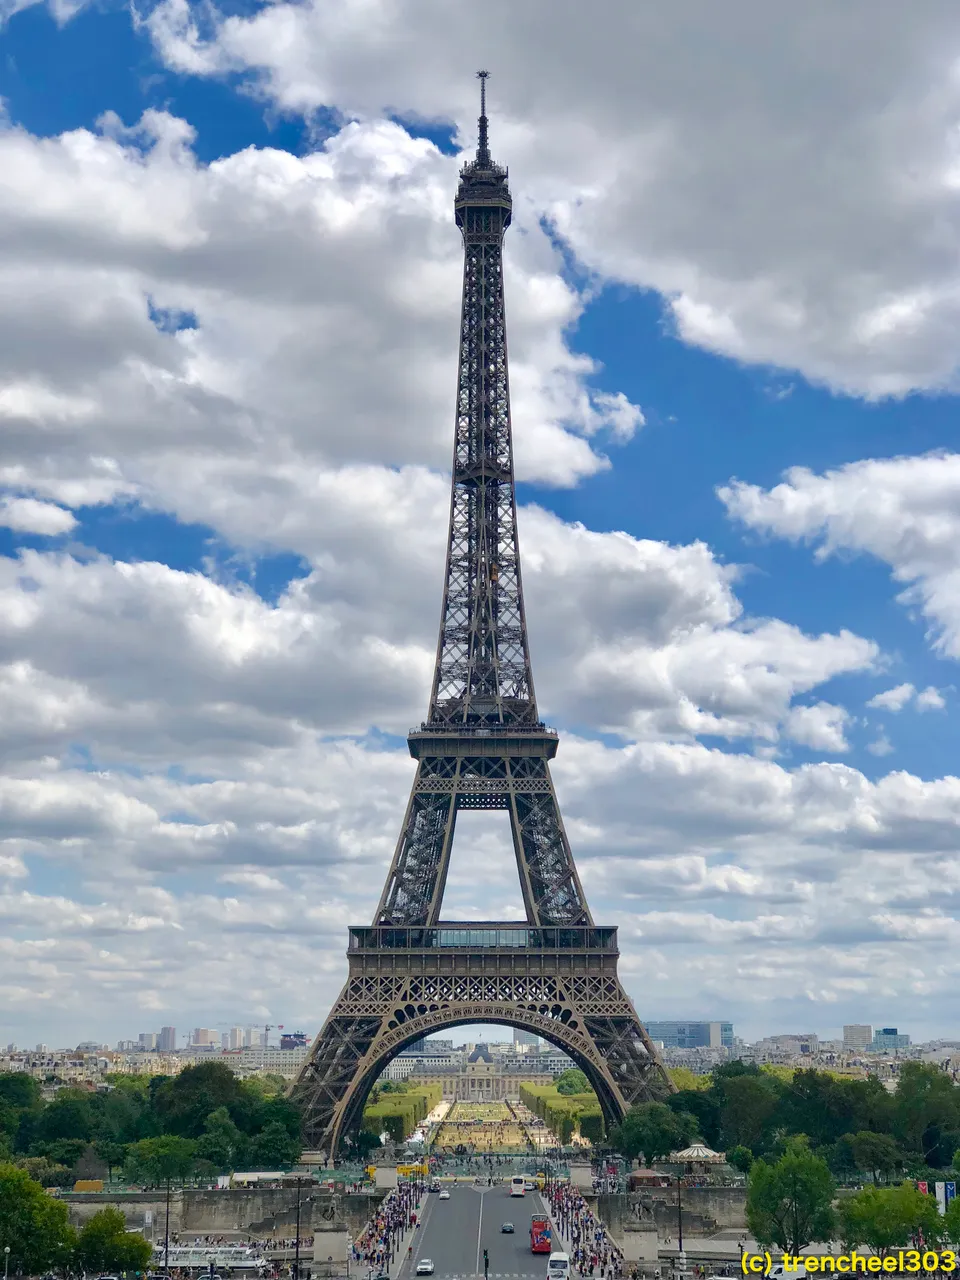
[{"x": 495, "y": 1034}]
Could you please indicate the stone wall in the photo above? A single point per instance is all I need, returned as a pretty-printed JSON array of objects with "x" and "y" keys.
[
  {"x": 255, "y": 1210},
  {"x": 706, "y": 1210}
]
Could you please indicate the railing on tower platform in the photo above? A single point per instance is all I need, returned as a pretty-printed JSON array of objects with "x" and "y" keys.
[{"x": 476, "y": 937}]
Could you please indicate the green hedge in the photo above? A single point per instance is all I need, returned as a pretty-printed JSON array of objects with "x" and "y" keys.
[
  {"x": 399, "y": 1113},
  {"x": 564, "y": 1114}
]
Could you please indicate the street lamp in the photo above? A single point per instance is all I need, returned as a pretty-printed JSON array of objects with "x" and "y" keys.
[
  {"x": 166, "y": 1234},
  {"x": 6, "y": 1260},
  {"x": 296, "y": 1243},
  {"x": 680, "y": 1258}
]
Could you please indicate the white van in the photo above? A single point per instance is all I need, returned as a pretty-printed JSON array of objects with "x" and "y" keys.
[{"x": 558, "y": 1268}]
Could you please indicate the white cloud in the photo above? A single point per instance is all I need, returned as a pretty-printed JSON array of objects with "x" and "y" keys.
[
  {"x": 893, "y": 699},
  {"x": 881, "y": 746},
  {"x": 793, "y": 197},
  {"x": 820, "y": 727},
  {"x": 931, "y": 699},
  {"x": 904, "y": 511},
  {"x": 701, "y": 856},
  {"x": 313, "y": 291},
  {"x": 27, "y": 515}
]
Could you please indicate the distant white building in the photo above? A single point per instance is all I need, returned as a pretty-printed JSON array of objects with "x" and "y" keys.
[{"x": 857, "y": 1037}]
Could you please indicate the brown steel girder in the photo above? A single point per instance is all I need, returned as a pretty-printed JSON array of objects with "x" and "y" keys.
[{"x": 588, "y": 1017}]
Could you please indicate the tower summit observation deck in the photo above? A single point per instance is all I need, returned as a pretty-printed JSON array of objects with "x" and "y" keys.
[{"x": 482, "y": 746}]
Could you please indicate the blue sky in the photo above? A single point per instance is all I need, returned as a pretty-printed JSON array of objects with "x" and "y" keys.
[{"x": 180, "y": 770}]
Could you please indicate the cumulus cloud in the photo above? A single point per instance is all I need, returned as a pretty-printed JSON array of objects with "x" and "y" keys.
[
  {"x": 930, "y": 699},
  {"x": 27, "y": 515},
  {"x": 903, "y": 511},
  {"x": 820, "y": 727},
  {"x": 163, "y": 319},
  {"x": 793, "y": 197},
  {"x": 893, "y": 699},
  {"x": 732, "y": 853}
]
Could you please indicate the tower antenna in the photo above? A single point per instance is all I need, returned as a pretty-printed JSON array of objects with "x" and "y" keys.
[{"x": 483, "y": 150}]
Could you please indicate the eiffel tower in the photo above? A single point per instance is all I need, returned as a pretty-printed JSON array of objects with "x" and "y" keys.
[{"x": 482, "y": 746}]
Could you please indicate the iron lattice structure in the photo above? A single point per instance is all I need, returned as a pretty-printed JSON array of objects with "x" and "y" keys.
[{"x": 482, "y": 746}]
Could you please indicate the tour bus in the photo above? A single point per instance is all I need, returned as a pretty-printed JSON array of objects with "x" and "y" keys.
[
  {"x": 517, "y": 1185},
  {"x": 558, "y": 1268},
  {"x": 540, "y": 1238}
]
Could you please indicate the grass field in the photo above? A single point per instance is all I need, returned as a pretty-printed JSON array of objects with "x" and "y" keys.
[{"x": 484, "y": 1126}]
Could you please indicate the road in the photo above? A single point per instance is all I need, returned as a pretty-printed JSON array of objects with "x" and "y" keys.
[{"x": 455, "y": 1233}]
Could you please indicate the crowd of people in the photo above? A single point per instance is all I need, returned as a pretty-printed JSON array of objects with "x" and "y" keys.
[
  {"x": 398, "y": 1213},
  {"x": 592, "y": 1252},
  {"x": 266, "y": 1242}
]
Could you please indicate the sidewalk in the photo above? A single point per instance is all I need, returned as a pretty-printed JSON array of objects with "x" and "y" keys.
[{"x": 409, "y": 1241}]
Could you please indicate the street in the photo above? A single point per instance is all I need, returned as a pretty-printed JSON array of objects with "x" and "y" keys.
[{"x": 455, "y": 1233}]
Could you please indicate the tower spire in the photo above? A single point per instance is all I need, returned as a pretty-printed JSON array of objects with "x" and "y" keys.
[{"x": 483, "y": 150}]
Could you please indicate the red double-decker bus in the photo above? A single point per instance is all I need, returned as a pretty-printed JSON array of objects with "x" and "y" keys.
[{"x": 540, "y": 1234}]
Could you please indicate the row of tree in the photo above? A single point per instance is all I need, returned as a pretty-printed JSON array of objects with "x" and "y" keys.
[
  {"x": 35, "y": 1228},
  {"x": 201, "y": 1122},
  {"x": 855, "y": 1125},
  {"x": 566, "y": 1107},
  {"x": 791, "y": 1202},
  {"x": 397, "y": 1112}
]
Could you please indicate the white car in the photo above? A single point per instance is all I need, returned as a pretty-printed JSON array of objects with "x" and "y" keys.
[
  {"x": 425, "y": 1267},
  {"x": 444, "y": 1195}
]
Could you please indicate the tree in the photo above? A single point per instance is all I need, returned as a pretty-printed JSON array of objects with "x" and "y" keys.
[
  {"x": 273, "y": 1147},
  {"x": 154, "y": 1160},
  {"x": 875, "y": 1153},
  {"x": 926, "y": 1112},
  {"x": 747, "y": 1107},
  {"x": 360, "y": 1144},
  {"x": 125, "y": 1116},
  {"x": 221, "y": 1142},
  {"x": 817, "y": 1104},
  {"x": 280, "y": 1109},
  {"x": 32, "y": 1224},
  {"x": 839, "y": 1156},
  {"x": 703, "y": 1106},
  {"x": 183, "y": 1103},
  {"x": 45, "y": 1171},
  {"x": 69, "y": 1116},
  {"x": 950, "y": 1223},
  {"x": 572, "y": 1081},
  {"x": 105, "y": 1244},
  {"x": 740, "y": 1158},
  {"x": 789, "y": 1203},
  {"x": 113, "y": 1154},
  {"x": 66, "y": 1151},
  {"x": 19, "y": 1090},
  {"x": 887, "y": 1217},
  {"x": 653, "y": 1130}
]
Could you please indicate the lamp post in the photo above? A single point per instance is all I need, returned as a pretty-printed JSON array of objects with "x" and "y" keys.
[
  {"x": 296, "y": 1243},
  {"x": 681, "y": 1260},
  {"x": 166, "y": 1233},
  {"x": 6, "y": 1261}
]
